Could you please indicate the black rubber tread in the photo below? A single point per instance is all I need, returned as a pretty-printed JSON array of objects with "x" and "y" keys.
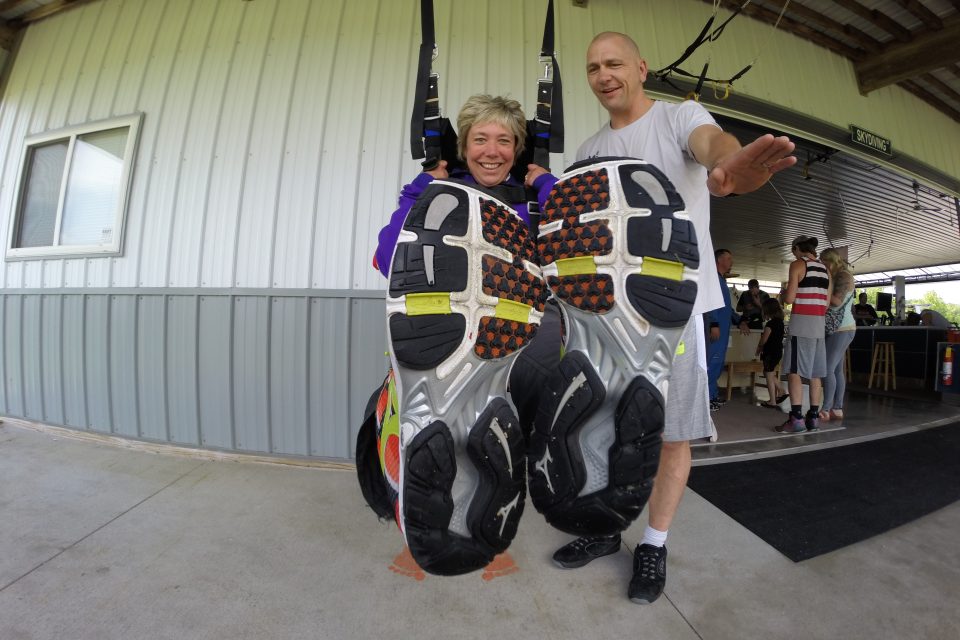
[
  {"x": 505, "y": 230},
  {"x": 565, "y": 470},
  {"x": 639, "y": 198},
  {"x": 498, "y": 338},
  {"x": 423, "y": 342},
  {"x": 633, "y": 461},
  {"x": 643, "y": 239},
  {"x": 502, "y": 481},
  {"x": 428, "y": 502},
  {"x": 663, "y": 302},
  {"x": 408, "y": 273}
]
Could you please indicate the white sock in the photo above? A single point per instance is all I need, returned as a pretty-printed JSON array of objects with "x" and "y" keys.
[{"x": 654, "y": 537}]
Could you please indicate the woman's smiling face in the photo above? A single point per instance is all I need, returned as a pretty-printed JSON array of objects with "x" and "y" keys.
[{"x": 490, "y": 153}]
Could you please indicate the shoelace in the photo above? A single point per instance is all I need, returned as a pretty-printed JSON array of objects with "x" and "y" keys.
[
  {"x": 581, "y": 544},
  {"x": 648, "y": 566}
]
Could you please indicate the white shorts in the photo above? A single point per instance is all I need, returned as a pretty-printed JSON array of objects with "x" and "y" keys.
[{"x": 687, "y": 415}]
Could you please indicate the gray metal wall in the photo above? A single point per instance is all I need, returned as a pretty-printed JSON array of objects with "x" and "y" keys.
[{"x": 268, "y": 372}]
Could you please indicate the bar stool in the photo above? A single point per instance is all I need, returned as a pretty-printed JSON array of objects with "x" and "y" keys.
[
  {"x": 847, "y": 369},
  {"x": 883, "y": 364}
]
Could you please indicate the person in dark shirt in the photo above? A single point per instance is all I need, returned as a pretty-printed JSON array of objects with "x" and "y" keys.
[
  {"x": 864, "y": 313},
  {"x": 770, "y": 350},
  {"x": 750, "y": 305}
]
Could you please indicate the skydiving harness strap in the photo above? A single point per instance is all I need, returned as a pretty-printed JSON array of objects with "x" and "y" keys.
[
  {"x": 706, "y": 35},
  {"x": 433, "y": 137}
]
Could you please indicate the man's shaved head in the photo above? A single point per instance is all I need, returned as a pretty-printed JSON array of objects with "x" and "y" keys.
[{"x": 626, "y": 40}]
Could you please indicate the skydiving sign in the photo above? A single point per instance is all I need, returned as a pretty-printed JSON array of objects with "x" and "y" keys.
[{"x": 872, "y": 141}]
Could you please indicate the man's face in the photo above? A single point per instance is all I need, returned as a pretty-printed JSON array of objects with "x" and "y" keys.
[
  {"x": 616, "y": 75},
  {"x": 490, "y": 153},
  {"x": 725, "y": 263}
]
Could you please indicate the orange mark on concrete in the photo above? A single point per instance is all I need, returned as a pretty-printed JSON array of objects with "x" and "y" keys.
[
  {"x": 405, "y": 565},
  {"x": 502, "y": 565}
]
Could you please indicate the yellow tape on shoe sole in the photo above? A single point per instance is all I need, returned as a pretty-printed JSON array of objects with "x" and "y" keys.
[
  {"x": 583, "y": 265},
  {"x": 510, "y": 310},
  {"x": 662, "y": 269},
  {"x": 424, "y": 304}
]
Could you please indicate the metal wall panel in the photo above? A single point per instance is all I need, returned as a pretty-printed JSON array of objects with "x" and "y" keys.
[
  {"x": 123, "y": 365},
  {"x": 330, "y": 357},
  {"x": 51, "y": 321},
  {"x": 118, "y": 46},
  {"x": 151, "y": 367},
  {"x": 299, "y": 200},
  {"x": 194, "y": 187},
  {"x": 181, "y": 359},
  {"x": 367, "y": 333},
  {"x": 214, "y": 382},
  {"x": 289, "y": 376},
  {"x": 251, "y": 374},
  {"x": 265, "y": 161},
  {"x": 74, "y": 380},
  {"x": 32, "y": 358},
  {"x": 13, "y": 353},
  {"x": 97, "y": 362}
]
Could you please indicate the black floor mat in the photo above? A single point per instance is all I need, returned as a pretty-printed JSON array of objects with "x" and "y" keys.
[{"x": 807, "y": 504}]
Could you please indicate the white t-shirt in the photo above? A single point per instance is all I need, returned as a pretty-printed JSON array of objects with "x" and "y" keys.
[{"x": 661, "y": 137}]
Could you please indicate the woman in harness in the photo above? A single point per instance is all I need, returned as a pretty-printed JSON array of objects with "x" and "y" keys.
[
  {"x": 491, "y": 137},
  {"x": 464, "y": 301}
]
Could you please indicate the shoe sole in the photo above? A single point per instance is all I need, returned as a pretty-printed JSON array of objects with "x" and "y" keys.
[
  {"x": 464, "y": 298},
  {"x": 620, "y": 255}
]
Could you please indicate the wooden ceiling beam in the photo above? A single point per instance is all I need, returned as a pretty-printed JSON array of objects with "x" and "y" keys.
[
  {"x": 8, "y": 36},
  {"x": 48, "y": 10},
  {"x": 877, "y": 18},
  {"x": 901, "y": 61},
  {"x": 796, "y": 28},
  {"x": 925, "y": 16},
  {"x": 10, "y": 5},
  {"x": 941, "y": 86},
  {"x": 930, "y": 99},
  {"x": 865, "y": 40}
]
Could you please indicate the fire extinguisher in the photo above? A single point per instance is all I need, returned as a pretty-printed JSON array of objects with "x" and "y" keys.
[{"x": 947, "y": 368}]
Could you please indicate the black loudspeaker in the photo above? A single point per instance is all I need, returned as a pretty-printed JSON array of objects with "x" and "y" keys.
[{"x": 884, "y": 302}]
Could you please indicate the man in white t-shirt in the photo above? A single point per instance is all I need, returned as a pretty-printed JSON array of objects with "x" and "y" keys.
[{"x": 685, "y": 142}]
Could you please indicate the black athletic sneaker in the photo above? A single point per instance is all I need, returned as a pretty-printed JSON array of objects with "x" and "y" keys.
[
  {"x": 649, "y": 573},
  {"x": 583, "y": 550},
  {"x": 620, "y": 254},
  {"x": 465, "y": 296}
]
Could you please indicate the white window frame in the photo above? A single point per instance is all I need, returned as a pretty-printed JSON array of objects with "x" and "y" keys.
[{"x": 115, "y": 247}]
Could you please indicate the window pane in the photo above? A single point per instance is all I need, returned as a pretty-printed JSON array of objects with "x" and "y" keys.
[
  {"x": 93, "y": 188},
  {"x": 39, "y": 209}
]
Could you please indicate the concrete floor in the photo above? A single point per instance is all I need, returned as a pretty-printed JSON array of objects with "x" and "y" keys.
[{"x": 100, "y": 542}]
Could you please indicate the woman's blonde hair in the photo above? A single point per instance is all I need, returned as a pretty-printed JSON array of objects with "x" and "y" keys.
[
  {"x": 481, "y": 109},
  {"x": 833, "y": 260}
]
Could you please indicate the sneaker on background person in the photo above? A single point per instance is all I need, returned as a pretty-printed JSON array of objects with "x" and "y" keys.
[
  {"x": 793, "y": 424},
  {"x": 584, "y": 550},
  {"x": 649, "y": 574}
]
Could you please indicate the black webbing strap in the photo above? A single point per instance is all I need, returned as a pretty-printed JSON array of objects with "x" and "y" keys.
[
  {"x": 547, "y": 125},
  {"x": 427, "y": 127}
]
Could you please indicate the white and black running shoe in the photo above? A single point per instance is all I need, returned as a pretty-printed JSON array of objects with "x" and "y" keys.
[
  {"x": 465, "y": 297},
  {"x": 620, "y": 254}
]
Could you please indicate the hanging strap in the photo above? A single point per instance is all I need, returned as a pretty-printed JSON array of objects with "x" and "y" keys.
[
  {"x": 549, "y": 114},
  {"x": 430, "y": 132}
]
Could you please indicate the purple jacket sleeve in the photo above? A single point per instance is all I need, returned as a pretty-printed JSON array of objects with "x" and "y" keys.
[{"x": 387, "y": 239}]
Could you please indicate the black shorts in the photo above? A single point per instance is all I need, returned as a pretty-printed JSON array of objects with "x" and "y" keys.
[{"x": 771, "y": 360}]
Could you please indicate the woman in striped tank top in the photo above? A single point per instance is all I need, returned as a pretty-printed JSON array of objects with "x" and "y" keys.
[{"x": 804, "y": 354}]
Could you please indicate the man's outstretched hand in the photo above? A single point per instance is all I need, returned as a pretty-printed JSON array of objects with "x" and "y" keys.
[{"x": 752, "y": 166}]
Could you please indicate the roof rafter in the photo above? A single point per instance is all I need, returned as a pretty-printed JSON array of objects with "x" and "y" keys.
[
  {"x": 901, "y": 61},
  {"x": 10, "y": 5},
  {"x": 47, "y": 10},
  {"x": 931, "y": 99},
  {"x": 877, "y": 18},
  {"x": 925, "y": 16}
]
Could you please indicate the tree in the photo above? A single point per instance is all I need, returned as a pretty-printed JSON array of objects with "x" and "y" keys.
[{"x": 932, "y": 300}]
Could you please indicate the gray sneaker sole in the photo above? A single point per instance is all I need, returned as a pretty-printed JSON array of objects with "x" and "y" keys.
[
  {"x": 464, "y": 299},
  {"x": 620, "y": 254}
]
